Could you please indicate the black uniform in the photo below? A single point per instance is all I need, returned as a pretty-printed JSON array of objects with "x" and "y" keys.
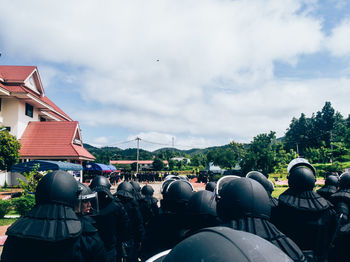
[
  {"x": 148, "y": 205},
  {"x": 169, "y": 227},
  {"x": 304, "y": 215},
  {"x": 244, "y": 205},
  {"x": 136, "y": 229},
  {"x": 112, "y": 220},
  {"x": 225, "y": 245},
  {"x": 52, "y": 231},
  {"x": 330, "y": 187}
]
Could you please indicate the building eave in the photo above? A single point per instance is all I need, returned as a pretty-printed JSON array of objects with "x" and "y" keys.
[
  {"x": 47, "y": 106},
  {"x": 49, "y": 115},
  {"x": 4, "y": 91}
]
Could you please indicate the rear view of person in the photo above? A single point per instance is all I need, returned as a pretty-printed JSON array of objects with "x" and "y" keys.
[{"x": 52, "y": 231}]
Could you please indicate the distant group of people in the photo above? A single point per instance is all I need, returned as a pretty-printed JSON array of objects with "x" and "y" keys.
[
  {"x": 142, "y": 177},
  {"x": 233, "y": 219}
]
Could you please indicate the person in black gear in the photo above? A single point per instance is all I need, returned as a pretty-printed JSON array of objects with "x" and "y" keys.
[
  {"x": 168, "y": 228},
  {"x": 225, "y": 245},
  {"x": 341, "y": 238},
  {"x": 244, "y": 205},
  {"x": 137, "y": 191},
  {"x": 202, "y": 211},
  {"x": 112, "y": 220},
  {"x": 210, "y": 186},
  {"x": 125, "y": 193},
  {"x": 52, "y": 231},
  {"x": 330, "y": 187},
  {"x": 304, "y": 215},
  {"x": 266, "y": 183},
  {"x": 150, "y": 208},
  {"x": 341, "y": 198}
]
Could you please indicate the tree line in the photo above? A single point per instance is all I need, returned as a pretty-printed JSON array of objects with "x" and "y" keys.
[{"x": 324, "y": 137}]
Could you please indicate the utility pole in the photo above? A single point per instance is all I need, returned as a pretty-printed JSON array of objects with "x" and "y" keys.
[
  {"x": 137, "y": 156},
  {"x": 297, "y": 149},
  {"x": 173, "y": 141},
  {"x": 331, "y": 139}
]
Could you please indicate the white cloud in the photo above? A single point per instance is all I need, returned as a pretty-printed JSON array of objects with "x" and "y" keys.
[
  {"x": 100, "y": 141},
  {"x": 215, "y": 74},
  {"x": 339, "y": 41}
]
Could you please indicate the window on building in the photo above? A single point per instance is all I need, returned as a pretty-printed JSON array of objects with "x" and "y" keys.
[
  {"x": 0, "y": 103},
  {"x": 29, "y": 110},
  {"x": 42, "y": 119}
]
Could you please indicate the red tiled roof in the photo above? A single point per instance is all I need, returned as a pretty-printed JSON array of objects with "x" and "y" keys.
[
  {"x": 19, "y": 74},
  {"x": 129, "y": 162},
  {"x": 51, "y": 139},
  {"x": 46, "y": 100},
  {"x": 14, "y": 89},
  {"x": 16, "y": 73}
]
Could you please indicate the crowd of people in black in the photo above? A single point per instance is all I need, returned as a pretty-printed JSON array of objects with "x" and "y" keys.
[
  {"x": 142, "y": 177},
  {"x": 233, "y": 219}
]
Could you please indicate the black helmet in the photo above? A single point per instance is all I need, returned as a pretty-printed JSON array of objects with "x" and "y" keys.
[
  {"x": 301, "y": 178},
  {"x": 332, "y": 180},
  {"x": 87, "y": 200},
  {"x": 125, "y": 190},
  {"x": 225, "y": 245},
  {"x": 53, "y": 218},
  {"x": 222, "y": 181},
  {"x": 57, "y": 187},
  {"x": 100, "y": 181},
  {"x": 126, "y": 186},
  {"x": 202, "y": 203},
  {"x": 136, "y": 186},
  {"x": 344, "y": 181},
  {"x": 243, "y": 197},
  {"x": 176, "y": 196},
  {"x": 165, "y": 185},
  {"x": 257, "y": 176},
  {"x": 147, "y": 190},
  {"x": 210, "y": 186},
  {"x": 300, "y": 162}
]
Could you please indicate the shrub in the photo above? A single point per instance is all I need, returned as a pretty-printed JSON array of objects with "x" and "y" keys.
[
  {"x": 4, "y": 207},
  {"x": 23, "y": 204}
]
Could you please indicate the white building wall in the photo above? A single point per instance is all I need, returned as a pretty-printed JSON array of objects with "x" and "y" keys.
[
  {"x": 9, "y": 110},
  {"x": 13, "y": 114},
  {"x": 23, "y": 120}
]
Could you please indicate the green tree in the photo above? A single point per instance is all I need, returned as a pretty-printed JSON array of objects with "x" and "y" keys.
[
  {"x": 226, "y": 157},
  {"x": 31, "y": 181},
  {"x": 158, "y": 164},
  {"x": 171, "y": 164},
  {"x": 324, "y": 124},
  {"x": 261, "y": 154},
  {"x": 9, "y": 150},
  {"x": 198, "y": 160},
  {"x": 298, "y": 135}
]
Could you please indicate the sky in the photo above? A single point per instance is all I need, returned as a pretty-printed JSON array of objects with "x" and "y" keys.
[{"x": 185, "y": 72}]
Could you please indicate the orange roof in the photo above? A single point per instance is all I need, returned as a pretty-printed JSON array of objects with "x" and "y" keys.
[
  {"x": 52, "y": 139},
  {"x": 16, "y": 73}
]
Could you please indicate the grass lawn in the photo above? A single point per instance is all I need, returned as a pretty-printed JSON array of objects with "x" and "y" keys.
[
  {"x": 7, "y": 221},
  {"x": 280, "y": 189}
]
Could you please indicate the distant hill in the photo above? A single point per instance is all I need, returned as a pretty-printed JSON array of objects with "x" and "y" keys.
[{"x": 104, "y": 154}]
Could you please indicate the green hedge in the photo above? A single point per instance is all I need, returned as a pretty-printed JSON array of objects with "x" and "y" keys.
[
  {"x": 5, "y": 206},
  {"x": 23, "y": 204}
]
